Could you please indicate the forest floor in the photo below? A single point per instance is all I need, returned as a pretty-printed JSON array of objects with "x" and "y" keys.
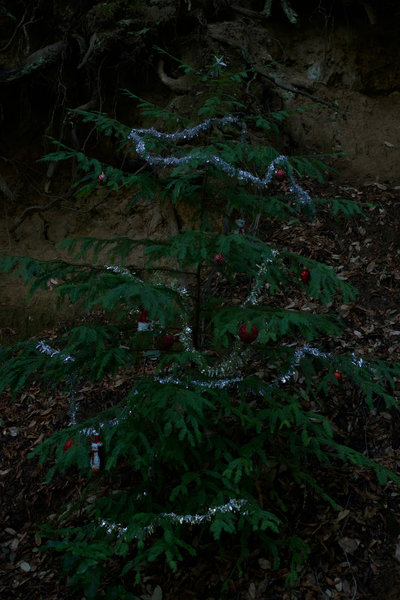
[{"x": 355, "y": 551}]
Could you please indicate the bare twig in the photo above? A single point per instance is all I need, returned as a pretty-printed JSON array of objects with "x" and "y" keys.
[
  {"x": 14, "y": 33},
  {"x": 132, "y": 268},
  {"x": 6, "y": 190},
  {"x": 254, "y": 226},
  {"x": 289, "y": 12},
  {"x": 248, "y": 13},
  {"x": 352, "y": 574},
  {"x": 31, "y": 209},
  {"x": 7, "y": 227},
  {"x": 39, "y": 208},
  {"x": 266, "y": 12},
  {"x": 92, "y": 44},
  {"x": 294, "y": 90},
  {"x": 370, "y": 12},
  {"x": 81, "y": 211},
  {"x": 42, "y": 57}
]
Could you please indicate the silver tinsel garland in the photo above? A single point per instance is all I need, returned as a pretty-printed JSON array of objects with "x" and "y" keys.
[
  {"x": 219, "y": 381},
  {"x": 73, "y": 405},
  {"x": 136, "y": 135},
  {"x": 230, "y": 364},
  {"x": 234, "y": 505},
  {"x": 179, "y": 136},
  {"x": 307, "y": 350},
  {"x": 215, "y": 384},
  {"x": 299, "y": 354},
  {"x": 256, "y": 290},
  {"x": 46, "y": 349},
  {"x": 186, "y": 336},
  {"x": 118, "y": 269}
]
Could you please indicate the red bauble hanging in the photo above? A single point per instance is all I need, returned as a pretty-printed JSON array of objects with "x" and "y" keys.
[
  {"x": 280, "y": 175},
  {"x": 96, "y": 454},
  {"x": 305, "y": 276},
  {"x": 247, "y": 337},
  {"x": 219, "y": 260},
  {"x": 68, "y": 444},
  {"x": 101, "y": 179},
  {"x": 338, "y": 376},
  {"x": 166, "y": 341}
]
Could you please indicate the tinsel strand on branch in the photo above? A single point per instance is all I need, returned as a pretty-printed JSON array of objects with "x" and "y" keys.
[
  {"x": 217, "y": 383},
  {"x": 46, "y": 349},
  {"x": 136, "y": 135},
  {"x": 234, "y": 505},
  {"x": 254, "y": 296},
  {"x": 303, "y": 351},
  {"x": 73, "y": 405}
]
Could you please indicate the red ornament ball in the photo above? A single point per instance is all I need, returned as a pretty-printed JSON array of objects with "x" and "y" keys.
[
  {"x": 338, "y": 376},
  {"x": 68, "y": 444},
  {"x": 166, "y": 342},
  {"x": 280, "y": 175},
  {"x": 101, "y": 179},
  {"x": 305, "y": 275},
  {"x": 219, "y": 259},
  {"x": 247, "y": 337}
]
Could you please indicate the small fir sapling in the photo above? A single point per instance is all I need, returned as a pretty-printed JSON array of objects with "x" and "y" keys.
[{"x": 202, "y": 434}]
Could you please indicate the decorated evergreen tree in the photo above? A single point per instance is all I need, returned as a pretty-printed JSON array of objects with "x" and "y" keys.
[{"x": 232, "y": 398}]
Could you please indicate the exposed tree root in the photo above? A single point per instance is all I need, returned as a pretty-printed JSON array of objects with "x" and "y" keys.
[{"x": 260, "y": 71}]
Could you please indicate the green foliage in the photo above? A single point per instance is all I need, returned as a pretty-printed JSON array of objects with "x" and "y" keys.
[{"x": 177, "y": 444}]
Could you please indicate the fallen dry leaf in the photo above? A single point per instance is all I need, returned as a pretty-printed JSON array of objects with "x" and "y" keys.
[{"x": 349, "y": 545}]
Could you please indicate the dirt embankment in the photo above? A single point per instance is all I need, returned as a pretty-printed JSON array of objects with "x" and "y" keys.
[{"x": 341, "y": 63}]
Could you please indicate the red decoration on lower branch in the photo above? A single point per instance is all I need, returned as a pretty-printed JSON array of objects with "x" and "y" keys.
[
  {"x": 96, "y": 454},
  {"x": 68, "y": 444},
  {"x": 101, "y": 179},
  {"x": 166, "y": 342},
  {"x": 247, "y": 337},
  {"x": 219, "y": 259},
  {"x": 280, "y": 175},
  {"x": 305, "y": 275},
  {"x": 338, "y": 376}
]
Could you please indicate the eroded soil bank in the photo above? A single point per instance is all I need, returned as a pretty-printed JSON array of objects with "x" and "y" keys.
[{"x": 344, "y": 54}]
